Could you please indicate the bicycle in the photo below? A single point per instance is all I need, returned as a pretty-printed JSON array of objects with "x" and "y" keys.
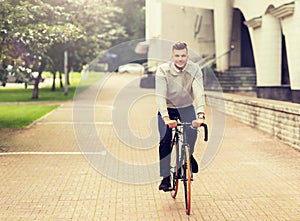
[{"x": 180, "y": 162}]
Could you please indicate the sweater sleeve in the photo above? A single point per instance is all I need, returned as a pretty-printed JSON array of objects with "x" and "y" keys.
[
  {"x": 198, "y": 91},
  {"x": 161, "y": 91}
]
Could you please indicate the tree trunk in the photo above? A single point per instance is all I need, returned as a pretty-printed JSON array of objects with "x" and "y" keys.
[
  {"x": 68, "y": 79},
  {"x": 53, "y": 84},
  {"x": 60, "y": 78},
  {"x": 35, "y": 94}
]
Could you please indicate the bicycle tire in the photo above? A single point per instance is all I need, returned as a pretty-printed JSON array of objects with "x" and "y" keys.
[
  {"x": 174, "y": 175},
  {"x": 187, "y": 181}
]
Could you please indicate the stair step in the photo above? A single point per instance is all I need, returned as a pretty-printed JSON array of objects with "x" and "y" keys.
[{"x": 238, "y": 79}]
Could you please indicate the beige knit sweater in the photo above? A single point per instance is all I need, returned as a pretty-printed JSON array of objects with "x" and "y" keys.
[{"x": 178, "y": 89}]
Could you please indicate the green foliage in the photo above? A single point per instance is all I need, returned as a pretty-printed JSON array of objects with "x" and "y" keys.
[
  {"x": 98, "y": 20},
  {"x": 28, "y": 30},
  {"x": 132, "y": 18},
  {"x": 35, "y": 33},
  {"x": 14, "y": 116}
]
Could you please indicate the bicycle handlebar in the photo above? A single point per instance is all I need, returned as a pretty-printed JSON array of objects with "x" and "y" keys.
[
  {"x": 202, "y": 125},
  {"x": 205, "y": 131}
]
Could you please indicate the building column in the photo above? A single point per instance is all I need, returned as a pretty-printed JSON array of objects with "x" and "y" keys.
[
  {"x": 266, "y": 37},
  {"x": 223, "y": 13},
  {"x": 153, "y": 10},
  {"x": 268, "y": 56},
  {"x": 290, "y": 27},
  {"x": 154, "y": 32},
  {"x": 267, "y": 42}
]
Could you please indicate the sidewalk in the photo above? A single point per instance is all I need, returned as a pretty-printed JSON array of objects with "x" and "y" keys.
[{"x": 45, "y": 175}]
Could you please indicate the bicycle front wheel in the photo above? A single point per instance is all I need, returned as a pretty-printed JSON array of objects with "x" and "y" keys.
[
  {"x": 187, "y": 181},
  {"x": 175, "y": 169}
]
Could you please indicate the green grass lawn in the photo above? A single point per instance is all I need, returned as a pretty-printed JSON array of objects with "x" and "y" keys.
[
  {"x": 15, "y": 116},
  {"x": 45, "y": 93}
]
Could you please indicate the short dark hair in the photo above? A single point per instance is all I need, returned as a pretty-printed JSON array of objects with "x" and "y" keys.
[{"x": 180, "y": 45}]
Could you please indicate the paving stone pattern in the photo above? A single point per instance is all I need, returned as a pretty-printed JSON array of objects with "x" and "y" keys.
[{"x": 44, "y": 175}]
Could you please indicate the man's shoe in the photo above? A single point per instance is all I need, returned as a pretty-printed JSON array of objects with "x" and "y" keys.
[
  {"x": 165, "y": 184},
  {"x": 194, "y": 165}
]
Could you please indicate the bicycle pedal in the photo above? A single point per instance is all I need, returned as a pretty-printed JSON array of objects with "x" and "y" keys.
[
  {"x": 168, "y": 190},
  {"x": 182, "y": 179}
]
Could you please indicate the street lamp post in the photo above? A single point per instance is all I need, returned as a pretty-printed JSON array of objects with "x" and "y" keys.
[{"x": 66, "y": 71}]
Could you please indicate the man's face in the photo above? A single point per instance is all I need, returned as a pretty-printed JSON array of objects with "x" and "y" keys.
[{"x": 180, "y": 57}]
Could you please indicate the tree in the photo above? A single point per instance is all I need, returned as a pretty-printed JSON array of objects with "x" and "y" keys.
[
  {"x": 133, "y": 18},
  {"x": 32, "y": 27},
  {"x": 97, "y": 20},
  {"x": 34, "y": 33},
  {"x": 101, "y": 28}
]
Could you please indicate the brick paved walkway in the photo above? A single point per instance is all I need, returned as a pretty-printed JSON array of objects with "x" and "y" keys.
[{"x": 45, "y": 176}]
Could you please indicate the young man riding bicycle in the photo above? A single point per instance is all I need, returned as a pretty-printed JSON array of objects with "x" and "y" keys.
[{"x": 178, "y": 84}]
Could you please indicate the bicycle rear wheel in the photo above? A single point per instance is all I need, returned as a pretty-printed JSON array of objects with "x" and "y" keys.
[
  {"x": 175, "y": 170},
  {"x": 187, "y": 181}
]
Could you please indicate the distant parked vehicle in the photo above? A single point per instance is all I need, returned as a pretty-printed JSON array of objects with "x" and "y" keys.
[{"x": 134, "y": 68}]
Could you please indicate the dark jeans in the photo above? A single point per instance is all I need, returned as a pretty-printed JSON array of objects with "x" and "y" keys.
[{"x": 186, "y": 114}]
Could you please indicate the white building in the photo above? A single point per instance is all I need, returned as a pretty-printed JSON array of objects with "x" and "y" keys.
[{"x": 264, "y": 35}]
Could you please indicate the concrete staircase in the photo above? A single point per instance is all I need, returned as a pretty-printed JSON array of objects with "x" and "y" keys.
[{"x": 238, "y": 79}]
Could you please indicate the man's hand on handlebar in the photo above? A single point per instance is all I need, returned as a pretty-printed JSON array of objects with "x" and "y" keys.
[
  {"x": 173, "y": 123},
  {"x": 197, "y": 122},
  {"x": 169, "y": 122}
]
